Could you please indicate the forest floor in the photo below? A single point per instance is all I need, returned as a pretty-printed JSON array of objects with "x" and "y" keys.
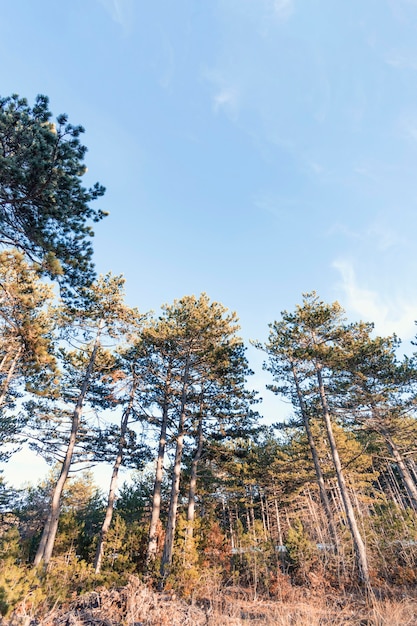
[{"x": 138, "y": 605}]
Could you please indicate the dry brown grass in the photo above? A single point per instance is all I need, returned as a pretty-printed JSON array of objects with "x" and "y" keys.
[{"x": 138, "y": 605}]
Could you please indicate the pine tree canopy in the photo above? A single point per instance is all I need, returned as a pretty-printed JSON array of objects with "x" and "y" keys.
[{"x": 44, "y": 208}]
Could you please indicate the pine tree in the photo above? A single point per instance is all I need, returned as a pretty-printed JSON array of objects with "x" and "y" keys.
[
  {"x": 121, "y": 444},
  {"x": 313, "y": 342},
  {"x": 378, "y": 393},
  {"x": 44, "y": 209},
  {"x": 26, "y": 325},
  {"x": 104, "y": 314},
  {"x": 26, "y": 339},
  {"x": 195, "y": 359}
]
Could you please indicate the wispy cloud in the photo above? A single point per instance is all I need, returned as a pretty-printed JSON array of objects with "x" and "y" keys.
[
  {"x": 226, "y": 99},
  {"x": 261, "y": 9},
  {"x": 401, "y": 59},
  {"x": 276, "y": 205},
  {"x": 225, "y": 95},
  {"x": 407, "y": 125},
  {"x": 378, "y": 236},
  {"x": 383, "y": 236},
  {"x": 283, "y": 9},
  {"x": 389, "y": 314},
  {"x": 120, "y": 11}
]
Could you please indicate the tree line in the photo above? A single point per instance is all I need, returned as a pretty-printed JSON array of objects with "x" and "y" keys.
[{"x": 330, "y": 495}]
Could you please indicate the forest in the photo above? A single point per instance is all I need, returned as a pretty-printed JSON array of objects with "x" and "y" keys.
[{"x": 225, "y": 518}]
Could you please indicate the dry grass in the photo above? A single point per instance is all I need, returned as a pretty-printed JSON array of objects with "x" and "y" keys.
[{"x": 138, "y": 605}]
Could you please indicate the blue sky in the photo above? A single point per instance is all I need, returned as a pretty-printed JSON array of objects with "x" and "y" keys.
[{"x": 251, "y": 149}]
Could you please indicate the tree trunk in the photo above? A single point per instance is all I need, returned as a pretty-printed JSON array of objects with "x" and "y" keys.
[
  {"x": 3, "y": 361},
  {"x": 156, "y": 497},
  {"x": 280, "y": 540},
  {"x": 113, "y": 482},
  {"x": 252, "y": 512},
  {"x": 175, "y": 486},
  {"x": 44, "y": 537},
  {"x": 232, "y": 534},
  {"x": 358, "y": 544},
  {"x": 403, "y": 470},
  {"x": 193, "y": 481},
  {"x": 316, "y": 461},
  {"x": 264, "y": 513},
  {"x": 46, "y": 546},
  {"x": 173, "y": 505},
  {"x": 395, "y": 491}
]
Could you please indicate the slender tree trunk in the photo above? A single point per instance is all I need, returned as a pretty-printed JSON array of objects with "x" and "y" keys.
[
  {"x": 314, "y": 516},
  {"x": 403, "y": 470},
  {"x": 411, "y": 464},
  {"x": 267, "y": 514},
  {"x": 46, "y": 546},
  {"x": 358, "y": 544},
  {"x": 232, "y": 534},
  {"x": 396, "y": 489},
  {"x": 3, "y": 361},
  {"x": 252, "y": 512},
  {"x": 280, "y": 540},
  {"x": 247, "y": 515},
  {"x": 156, "y": 497},
  {"x": 316, "y": 461},
  {"x": 175, "y": 486},
  {"x": 113, "y": 482},
  {"x": 193, "y": 480},
  {"x": 264, "y": 526},
  {"x": 173, "y": 505},
  {"x": 44, "y": 537}
]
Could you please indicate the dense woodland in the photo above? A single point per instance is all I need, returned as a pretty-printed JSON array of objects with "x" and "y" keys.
[{"x": 326, "y": 500}]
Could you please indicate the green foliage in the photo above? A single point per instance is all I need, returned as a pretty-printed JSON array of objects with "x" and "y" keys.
[
  {"x": 392, "y": 535},
  {"x": 202, "y": 562},
  {"x": 32, "y": 589},
  {"x": 26, "y": 323},
  {"x": 82, "y": 506},
  {"x": 391, "y": 523},
  {"x": 253, "y": 558},
  {"x": 251, "y": 488},
  {"x": 18, "y": 584},
  {"x": 299, "y": 548},
  {"x": 66, "y": 577},
  {"x": 44, "y": 209},
  {"x": 133, "y": 498},
  {"x": 8, "y": 495},
  {"x": 185, "y": 571},
  {"x": 26, "y": 342},
  {"x": 125, "y": 546}
]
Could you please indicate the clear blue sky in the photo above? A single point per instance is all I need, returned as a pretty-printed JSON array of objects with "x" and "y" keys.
[{"x": 251, "y": 149}]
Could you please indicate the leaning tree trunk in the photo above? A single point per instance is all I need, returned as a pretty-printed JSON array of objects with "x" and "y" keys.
[
  {"x": 113, "y": 483},
  {"x": 403, "y": 470},
  {"x": 316, "y": 461},
  {"x": 358, "y": 544},
  {"x": 46, "y": 545},
  {"x": 175, "y": 486}
]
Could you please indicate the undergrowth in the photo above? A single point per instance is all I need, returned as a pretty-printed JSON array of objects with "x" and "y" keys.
[{"x": 78, "y": 598}]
